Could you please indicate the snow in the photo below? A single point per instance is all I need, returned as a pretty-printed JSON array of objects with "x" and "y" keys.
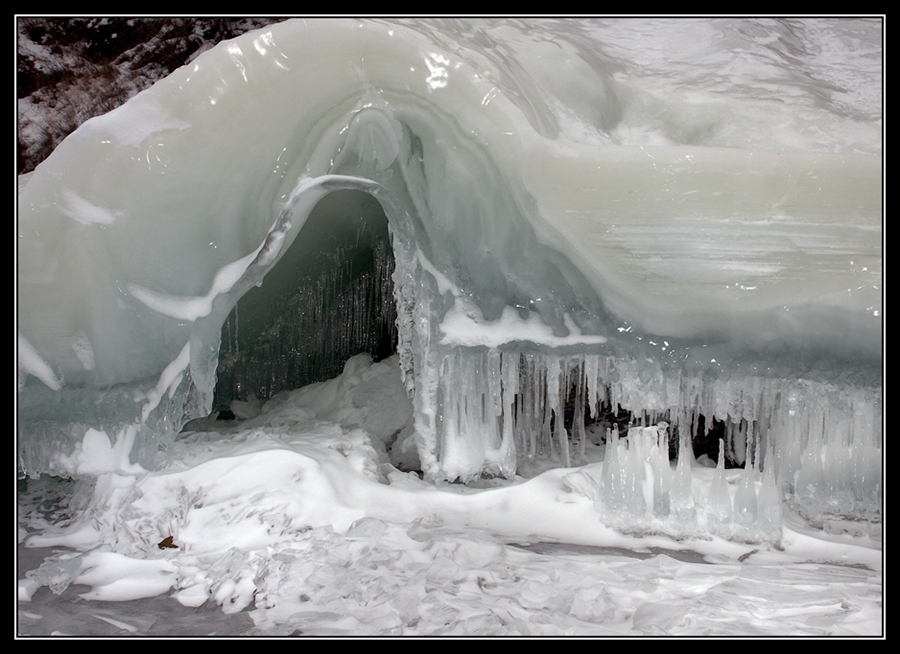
[
  {"x": 297, "y": 519},
  {"x": 566, "y": 252},
  {"x": 459, "y": 328},
  {"x": 98, "y": 455}
]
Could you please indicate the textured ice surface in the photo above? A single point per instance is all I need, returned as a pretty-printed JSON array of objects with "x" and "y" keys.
[
  {"x": 292, "y": 522},
  {"x": 565, "y": 218}
]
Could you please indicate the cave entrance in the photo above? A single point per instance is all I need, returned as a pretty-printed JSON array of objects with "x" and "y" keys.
[{"x": 327, "y": 299}]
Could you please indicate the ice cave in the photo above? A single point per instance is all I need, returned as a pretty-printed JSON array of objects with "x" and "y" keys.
[{"x": 549, "y": 259}]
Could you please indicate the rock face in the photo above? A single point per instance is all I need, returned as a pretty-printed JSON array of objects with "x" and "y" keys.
[{"x": 71, "y": 69}]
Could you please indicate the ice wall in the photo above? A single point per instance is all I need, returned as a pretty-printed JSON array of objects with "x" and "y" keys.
[{"x": 562, "y": 236}]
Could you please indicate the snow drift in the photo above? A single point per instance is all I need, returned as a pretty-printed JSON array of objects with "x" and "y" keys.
[{"x": 546, "y": 236}]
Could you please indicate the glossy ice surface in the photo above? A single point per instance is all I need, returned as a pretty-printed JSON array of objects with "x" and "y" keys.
[{"x": 688, "y": 226}]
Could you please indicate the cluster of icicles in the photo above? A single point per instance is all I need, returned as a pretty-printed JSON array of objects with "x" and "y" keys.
[
  {"x": 635, "y": 488},
  {"x": 809, "y": 444}
]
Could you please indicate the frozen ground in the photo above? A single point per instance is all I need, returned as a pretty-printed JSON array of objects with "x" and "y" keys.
[
  {"x": 457, "y": 583},
  {"x": 294, "y": 523}
]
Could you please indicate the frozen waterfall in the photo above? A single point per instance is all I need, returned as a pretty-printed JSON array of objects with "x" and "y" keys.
[{"x": 546, "y": 233}]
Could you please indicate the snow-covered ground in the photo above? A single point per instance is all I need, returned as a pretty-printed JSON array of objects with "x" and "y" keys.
[{"x": 295, "y": 522}]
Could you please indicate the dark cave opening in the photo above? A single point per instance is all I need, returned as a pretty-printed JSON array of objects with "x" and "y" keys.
[
  {"x": 702, "y": 433},
  {"x": 327, "y": 299}
]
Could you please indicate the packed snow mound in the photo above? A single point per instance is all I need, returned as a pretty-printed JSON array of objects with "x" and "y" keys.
[{"x": 561, "y": 224}]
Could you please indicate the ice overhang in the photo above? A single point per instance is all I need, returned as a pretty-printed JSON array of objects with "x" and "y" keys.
[{"x": 676, "y": 261}]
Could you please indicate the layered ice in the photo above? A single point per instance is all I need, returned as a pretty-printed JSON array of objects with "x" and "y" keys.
[{"x": 550, "y": 228}]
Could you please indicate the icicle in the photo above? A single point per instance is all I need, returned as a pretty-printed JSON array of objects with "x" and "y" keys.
[
  {"x": 510, "y": 387},
  {"x": 237, "y": 346},
  {"x": 769, "y": 511},
  {"x": 810, "y": 478},
  {"x": 535, "y": 425},
  {"x": 682, "y": 496},
  {"x": 662, "y": 473},
  {"x": 635, "y": 504},
  {"x": 613, "y": 476},
  {"x": 578, "y": 420},
  {"x": 591, "y": 379},
  {"x": 745, "y": 502},
  {"x": 718, "y": 506}
]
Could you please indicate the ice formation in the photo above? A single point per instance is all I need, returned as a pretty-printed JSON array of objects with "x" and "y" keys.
[{"x": 544, "y": 239}]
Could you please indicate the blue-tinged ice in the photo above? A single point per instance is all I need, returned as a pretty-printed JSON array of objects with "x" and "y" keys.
[{"x": 566, "y": 229}]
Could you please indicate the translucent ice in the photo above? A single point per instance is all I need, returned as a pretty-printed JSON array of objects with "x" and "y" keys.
[{"x": 549, "y": 233}]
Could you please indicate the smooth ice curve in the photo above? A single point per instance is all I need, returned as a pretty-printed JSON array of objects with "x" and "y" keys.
[{"x": 145, "y": 227}]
